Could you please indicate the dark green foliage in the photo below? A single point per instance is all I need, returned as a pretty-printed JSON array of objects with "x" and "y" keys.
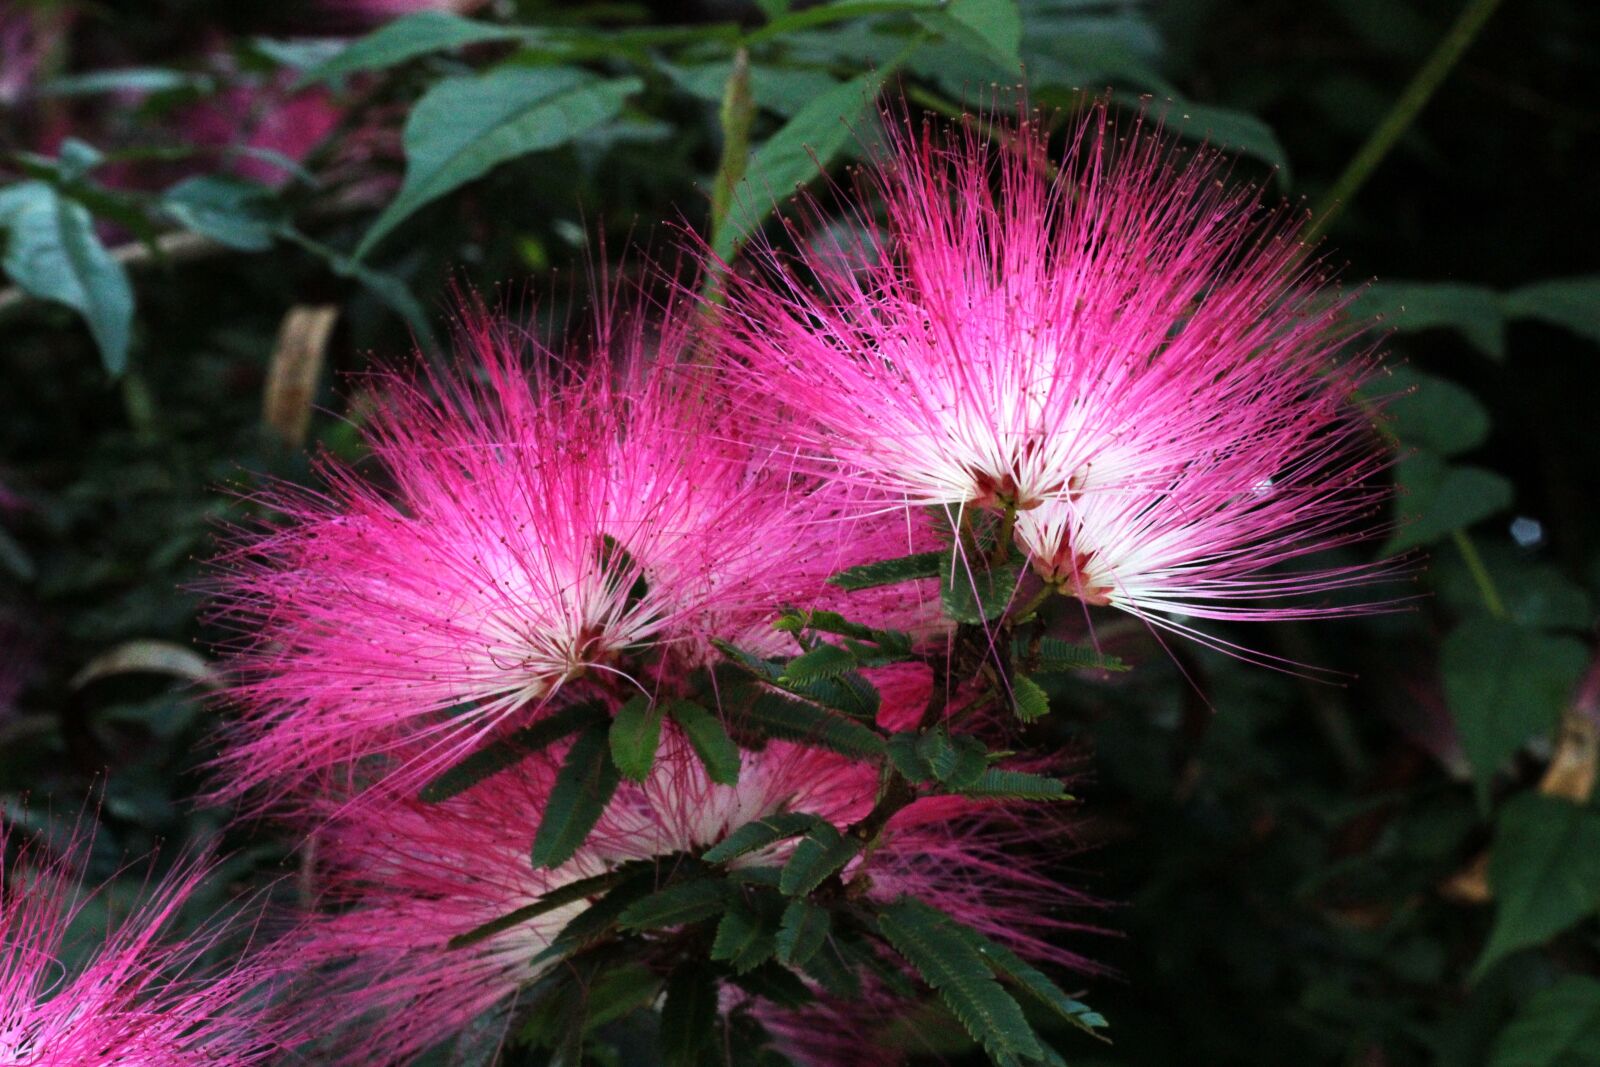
[
  {"x": 890, "y": 572},
  {"x": 508, "y": 751},
  {"x": 582, "y": 789},
  {"x": 688, "y": 1015},
  {"x": 635, "y": 735},
  {"x": 761, "y": 833},
  {"x": 710, "y": 741},
  {"x": 817, "y": 855}
]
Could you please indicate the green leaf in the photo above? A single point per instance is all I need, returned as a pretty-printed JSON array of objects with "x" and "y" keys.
[
  {"x": 794, "y": 156},
  {"x": 709, "y": 740},
  {"x": 1407, "y": 307},
  {"x": 1544, "y": 867},
  {"x": 906, "y": 755},
  {"x": 508, "y": 751},
  {"x": 1018, "y": 785},
  {"x": 958, "y": 761},
  {"x": 890, "y": 571},
  {"x": 688, "y": 1015},
  {"x": 777, "y": 984},
  {"x": 235, "y": 213},
  {"x": 804, "y": 928},
  {"x": 635, "y": 736},
  {"x": 816, "y": 856},
  {"x": 618, "y": 991},
  {"x": 775, "y": 715},
  {"x": 463, "y": 127},
  {"x": 562, "y": 895},
  {"x": 977, "y": 595},
  {"x": 1573, "y": 303},
  {"x": 139, "y": 80},
  {"x": 745, "y": 938},
  {"x": 53, "y": 253},
  {"x": 601, "y": 917},
  {"x": 1230, "y": 130},
  {"x": 677, "y": 905},
  {"x": 1029, "y": 698},
  {"x": 1536, "y": 594},
  {"x": 824, "y": 661},
  {"x": 1504, "y": 684},
  {"x": 1433, "y": 413},
  {"x": 937, "y": 949},
  {"x": 1014, "y": 968},
  {"x": 1559, "y": 1026},
  {"x": 407, "y": 38},
  {"x": 1438, "y": 498},
  {"x": 1050, "y": 655},
  {"x": 761, "y": 833},
  {"x": 992, "y": 28},
  {"x": 582, "y": 790},
  {"x": 390, "y": 290}
]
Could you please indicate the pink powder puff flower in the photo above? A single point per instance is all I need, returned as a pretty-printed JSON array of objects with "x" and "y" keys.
[
  {"x": 1128, "y": 356},
  {"x": 545, "y": 526},
  {"x": 406, "y": 878},
  {"x": 144, "y": 996}
]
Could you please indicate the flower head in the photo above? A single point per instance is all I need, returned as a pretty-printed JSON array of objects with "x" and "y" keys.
[
  {"x": 142, "y": 997},
  {"x": 407, "y": 878},
  {"x": 1130, "y": 359},
  {"x": 544, "y": 533}
]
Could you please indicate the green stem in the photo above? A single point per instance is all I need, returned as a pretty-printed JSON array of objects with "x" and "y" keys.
[
  {"x": 1405, "y": 110},
  {"x": 1480, "y": 574}
]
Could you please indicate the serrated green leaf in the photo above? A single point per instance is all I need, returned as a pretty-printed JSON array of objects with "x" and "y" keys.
[
  {"x": 677, "y": 905},
  {"x": 761, "y": 833},
  {"x": 936, "y": 948},
  {"x": 890, "y": 571},
  {"x": 1051, "y": 655},
  {"x": 1010, "y": 966},
  {"x": 1439, "y": 497},
  {"x": 465, "y": 126},
  {"x": 406, "y": 38},
  {"x": 52, "y": 252},
  {"x": 635, "y": 736},
  {"x": 1029, "y": 698},
  {"x": 688, "y": 1015},
  {"x": 907, "y": 758},
  {"x": 801, "y": 932},
  {"x": 1559, "y": 1026},
  {"x": 745, "y": 938},
  {"x": 791, "y": 719},
  {"x": 570, "y": 893},
  {"x": 977, "y": 594},
  {"x": 958, "y": 760},
  {"x": 824, "y": 661},
  {"x": 817, "y": 855},
  {"x": 829, "y": 969},
  {"x": 1544, "y": 867},
  {"x": 583, "y": 788},
  {"x": 1504, "y": 684},
  {"x": 619, "y": 991},
  {"x": 710, "y": 741},
  {"x": 508, "y": 751},
  {"x": 1017, "y": 785},
  {"x": 849, "y": 692}
]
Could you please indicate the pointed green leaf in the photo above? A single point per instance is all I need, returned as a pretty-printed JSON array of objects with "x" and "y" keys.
[
  {"x": 976, "y": 594},
  {"x": 709, "y": 740},
  {"x": 958, "y": 761},
  {"x": 1505, "y": 683},
  {"x": 906, "y": 755},
  {"x": 936, "y": 948},
  {"x": 890, "y": 571},
  {"x": 507, "y": 751},
  {"x": 561, "y": 896},
  {"x": 1008, "y": 965},
  {"x": 618, "y": 991},
  {"x": 465, "y": 126},
  {"x": 817, "y": 855},
  {"x": 761, "y": 833},
  {"x": 1544, "y": 867},
  {"x": 1573, "y": 303},
  {"x": 236, "y": 213},
  {"x": 635, "y": 736},
  {"x": 600, "y": 918},
  {"x": 407, "y": 38},
  {"x": 804, "y": 928},
  {"x": 582, "y": 790},
  {"x": 688, "y": 1015},
  {"x": 745, "y": 939},
  {"x": 1051, "y": 655},
  {"x": 1018, "y": 785},
  {"x": 52, "y": 252},
  {"x": 677, "y": 905},
  {"x": 824, "y": 661}
]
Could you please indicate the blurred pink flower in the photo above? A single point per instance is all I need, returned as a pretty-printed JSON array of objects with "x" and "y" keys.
[
  {"x": 405, "y": 878},
  {"x": 548, "y": 525},
  {"x": 144, "y": 996},
  {"x": 1131, "y": 355}
]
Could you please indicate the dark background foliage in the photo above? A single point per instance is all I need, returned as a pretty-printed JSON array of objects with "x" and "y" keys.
[{"x": 1398, "y": 869}]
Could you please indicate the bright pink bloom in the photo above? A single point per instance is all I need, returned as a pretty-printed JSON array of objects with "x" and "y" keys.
[
  {"x": 405, "y": 878},
  {"x": 1132, "y": 354},
  {"x": 546, "y": 531},
  {"x": 142, "y": 997}
]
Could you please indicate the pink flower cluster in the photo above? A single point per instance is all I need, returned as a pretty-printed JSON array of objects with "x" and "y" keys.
[{"x": 1128, "y": 370}]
